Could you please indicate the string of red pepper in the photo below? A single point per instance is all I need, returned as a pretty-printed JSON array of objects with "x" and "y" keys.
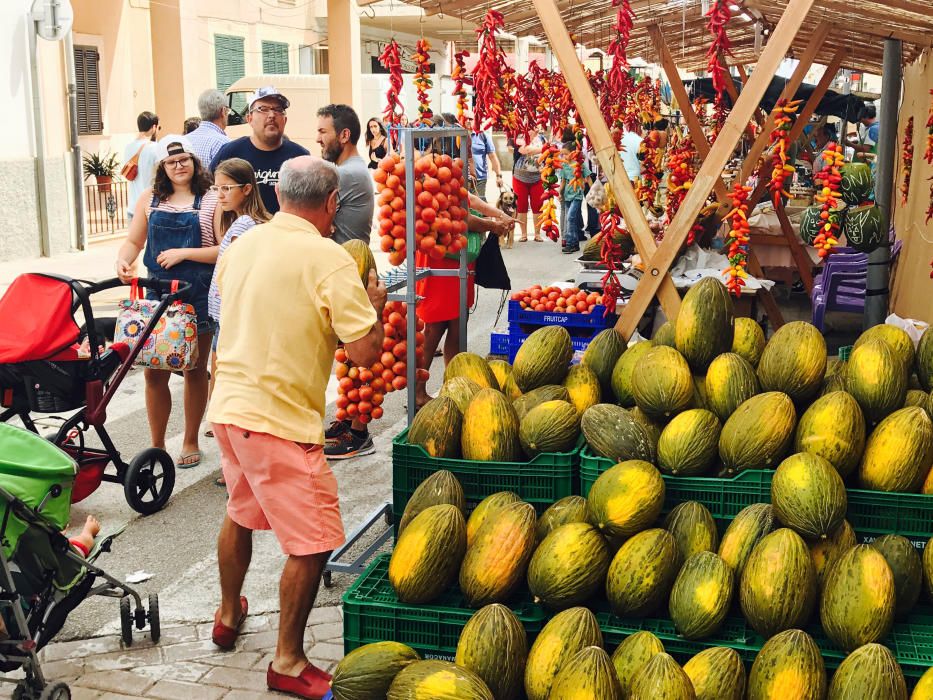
[
  {"x": 830, "y": 178},
  {"x": 550, "y": 163},
  {"x": 681, "y": 167},
  {"x": 784, "y": 117},
  {"x": 391, "y": 59},
  {"x": 738, "y": 239},
  {"x": 487, "y": 72},
  {"x": 907, "y": 158},
  {"x": 618, "y": 81},
  {"x": 717, "y": 18},
  {"x": 650, "y": 177},
  {"x": 610, "y": 252},
  {"x": 576, "y": 157},
  {"x": 421, "y": 81},
  {"x": 928, "y": 156},
  {"x": 461, "y": 80}
]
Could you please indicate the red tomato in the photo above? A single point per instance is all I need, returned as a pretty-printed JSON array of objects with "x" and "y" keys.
[
  {"x": 388, "y": 375},
  {"x": 353, "y": 395},
  {"x": 366, "y": 375},
  {"x": 342, "y": 401},
  {"x": 387, "y": 360},
  {"x": 396, "y": 257},
  {"x": 378, "y": 398},
  {"x": 345, "y": 384},
  {"x": 377, "y": 413},
  {"x": 581, "y": 306},
  {"x": 366, "y": 407},
  {"x": 341, "y": 414},
  {"x": 398, "y": 368},
  {"x": 387, "y": 164},
  {"x": 340, "y": 355},
  {"x": 399, "y": 383},
  {"x": 353, "y": 410}
]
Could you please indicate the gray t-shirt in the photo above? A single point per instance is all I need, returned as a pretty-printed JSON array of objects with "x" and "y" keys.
[{"x": 357, "y": 201}]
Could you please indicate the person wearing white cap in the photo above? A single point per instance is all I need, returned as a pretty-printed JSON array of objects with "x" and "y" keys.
[
  {"x": 177, "y": 222},
  {"x": 266, "y": 148}
]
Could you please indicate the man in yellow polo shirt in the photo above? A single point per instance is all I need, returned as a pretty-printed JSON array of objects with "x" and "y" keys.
[{"x": 288, "y": 294}]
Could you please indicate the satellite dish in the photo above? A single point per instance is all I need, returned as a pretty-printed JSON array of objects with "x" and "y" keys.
[{"x": 53, "y": 18}]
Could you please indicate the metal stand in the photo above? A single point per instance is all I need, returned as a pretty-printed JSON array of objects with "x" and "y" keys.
[{"x": 397, "y": 279}]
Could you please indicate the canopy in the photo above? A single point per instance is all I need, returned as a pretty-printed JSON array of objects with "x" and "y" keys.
[{"x": 46, "y": 328}]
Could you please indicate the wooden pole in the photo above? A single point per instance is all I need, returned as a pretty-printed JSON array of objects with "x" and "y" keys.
[
  {"x": 598, "y": 133},
  {"x": 659, "y": 264}
]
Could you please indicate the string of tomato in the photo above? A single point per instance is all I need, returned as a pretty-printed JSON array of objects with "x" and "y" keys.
[
  {"x": 738, "y": 239},
  {"x": 391, "y": 60},
  {"x": 550, "y": 164},
  {"x": 907, "y": 158},
  {"x": 422, "y": 81},
  {"x": 784, "y": 117},
  {"x": 829, "y": 196}
]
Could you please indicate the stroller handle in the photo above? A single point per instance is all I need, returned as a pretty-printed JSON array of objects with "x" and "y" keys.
[{"x": 174, "y": 289}]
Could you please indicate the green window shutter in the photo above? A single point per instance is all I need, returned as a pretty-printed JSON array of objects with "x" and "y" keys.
[
  {"x": 275, "y": 57},
  {"x": 229, "y": 59},
  {"x": 87, "y": 82}
]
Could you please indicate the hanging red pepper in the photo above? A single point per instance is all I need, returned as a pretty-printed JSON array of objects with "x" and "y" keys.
[
  {"x": 738, "y": 239},
  {"x": 681, "y": 168},
  {"x": 783, "y": 114},
  {"x": 550, "y": 164},
  {"x": 576, "y": 157},
  {"x": 907, "y": 158},
  {"x": 461, "y": 80},
  {"x": 830, "y": 179},
  {"x": 718, "y": 17},
  {"x": 487, "y": 73},
  {"x": 611, "y": 254},
  {"x": 649, "y": 154},
  {"x": 928, "y": 153},
  {"x": 391, "y": 59},
  {"x": 422, "y": 82}
]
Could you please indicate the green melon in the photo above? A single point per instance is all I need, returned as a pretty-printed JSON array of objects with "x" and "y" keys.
[
  {"x": 701, "y": 595},
  {"x": 663, "y": 385},
  {"x": 427, "y": 554},
  {"x": 665, "y": 335},
  {"x": 362, "y": 255},
  {"x": 907, "y": 569},
  {"x": 917, "y": 397},
  {"x": 601, "y": 356},
  {"x": 748, "y": 342},
  {"x": 778, "y": 587},
  {"x": 588, "y": 675},
  {"x": 570, "y": 509},
  {"x": 367, "y": 672},
  {"x": 439, "y": 488},
  {"x": 705, "y": 325},
  {"x": 833, "y": 428},
  {"x": 863, "y": 228},
  {"x": 460, "y": 390},
  {"x": 626, "y": 499},
  {"x": 632, "y": 654},
  {"x": 552, "y": 426},
  {"x": 924, "y": 360},
  {"x": 700, "y": 399},
  {"x": 689, "y": 444},
  {"x": 857, "y": 606},
  {"x": 746, "y": 529},
  {"x": 857, "y": 183},
  {"x": 543, "y": 358},
  {"x": 493, "y": 645},
  {"x": 488, "y": 508},
  {"x": 642, "y": 573},
  {"x": 927, "y": 561},
  {"x": 624, "y": 371},
  {"x": 490, "y": 429},
  {"x": 730, "y": 381},
  {"x": 810, "y": 224},
  {"x": 437, "y": 427},
  {"x": 662, "y": 678},
  {"x": 826, "y": 552},
  {"x": 566, "y": 634},
  {"x": 789, "y": 665},
  {"x": 438, "y": 680},
  {"x": 550, "y": 392},
  {"x": 652, "y": 426},
  {"x": 582, "y": 385},
  {"x": 613, "y": 432},
  {"x": 759, "y": 433},
  {"x": 503, "y": 373},
  {"x": 808, "y": 495},
  {"x": 871, "y": 671},
  {"x": 794, "y": 361},
  {"x": 471, "y": 366},
  {"x": 717, "y": 673},
  {"x": 898, "y": 453},
  {"x": 924, "y": 688},
  {"x": 895, "y": 338},
  {"x": 693, "y": 528},
  {"x": 569, "y": 566},
  {"x": 877, "y": 379}
]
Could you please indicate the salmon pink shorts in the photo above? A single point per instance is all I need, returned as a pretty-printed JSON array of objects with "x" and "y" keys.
[{"x": 283, "y": 486}]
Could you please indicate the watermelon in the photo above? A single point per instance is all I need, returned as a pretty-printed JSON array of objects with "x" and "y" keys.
[
  {"x": 570, "y": 509},
  {"x": 427, "y": 554},
  {"x": 857, "y": 606},
  {"x": 899, "y": 452},
  {"x": 789, "y": 665},
  {"x": 748, "y": 342},
  {"x": 588, "y": 675},
  {"x": 552, "y": 426},
  {"x": 632, "y": 654},
  {"x": 877, "y": 379},
  {"x": 759, "y": 433},
  {"x": 367, "y": 672},
  {"x": 746, "y": 529},
  {"x": 490, "y": 429},
  {"x": 471, "y": 366},
  {"x": 601, "y": 355},
  {"x": 661, "y": 677},
  {"x": 863, "y": 228},
  {"x": 794, "y": 361},
  {"x": 826, "y": 552},
  {"x": 487, "y": 509},
  {"x": 810, "y": 224},
  {"x": 625, "y": 499},
  {"x": 705, "y": 325},
  {"x": 493, "y": 645},
  {"x": 693, "y": 528},
  {"x": 582, "y": 385},
  {"x": 460, "y": 390},
  {"x": 439, "y": 488},
  {"x": 717, "y": 673},
  {"x": 438, "y": 680},
  {"x": 857, "y": 183},
  {"x": 566, "y": 634},
  {"x": 613, "y": 432},
  {"x": 689, "y": 443},
  {"x": 701, "y": 595},
  {"x": 871, "y": 671},
  {"x": 833, "y": 428},
  {"x": 550, "y": 392},
  {"x": 569, "y": 566},
  {"x": 808, "y": 495},
  {"x": 624, "y": 371},
  {"x": 730, "y": 381},
  {"x": 437, "y": 427},
  {"x": 543, "y": 358},
  {"x": 663, "y": 385},
  {"x": 642, "y": 573},
  {"x": 906, "y": 568}
]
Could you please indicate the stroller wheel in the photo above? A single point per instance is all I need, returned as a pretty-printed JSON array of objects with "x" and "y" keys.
[
  {"x": 155, "y": 628},
  {"x": 149, "y": 481},
  {"x": 56, "y": 691},
  {"x": 126, "y": 621}
]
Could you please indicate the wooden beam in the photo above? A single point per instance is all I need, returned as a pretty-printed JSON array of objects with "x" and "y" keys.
[
  {"x": 801, "y": 259},
  {"x": 659, "y": 264},
  {"x": 765, "y": 295},
  {"x": 598, "y": 133}
]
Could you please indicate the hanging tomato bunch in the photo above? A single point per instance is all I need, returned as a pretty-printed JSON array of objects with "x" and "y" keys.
[
  {"x": 783, "y": 114},
  {"x": 550, "y": 163},
  {"x": 391, "y": 59},
  {"x": 461, "y": 80},
  {"x": 829, "y": 196},
  {"x": 422, "y": 81},
  {"x": 907, "y": 159},
  {"x": 487, "y": 73},
  {"x": 738, "y": 239}
]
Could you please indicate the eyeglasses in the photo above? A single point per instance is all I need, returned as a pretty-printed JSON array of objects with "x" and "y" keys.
[
  {"x": 264, "y": 110},
  {"x": 226, "y": 189},
  {"x": 180, "y": 163}
]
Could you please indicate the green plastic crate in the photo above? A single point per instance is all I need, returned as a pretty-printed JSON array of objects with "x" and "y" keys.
[
  {"x": 373, "y": 613},
  {"x": 545, "y": 479}
]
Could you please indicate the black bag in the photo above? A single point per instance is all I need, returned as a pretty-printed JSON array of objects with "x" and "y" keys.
[{"x": 490, "y": 267}]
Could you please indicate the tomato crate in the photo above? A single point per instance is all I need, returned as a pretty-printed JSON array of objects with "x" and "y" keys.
[
  {"x": 595, "y": 319},
  {"x": 373, "y": 613},
  {"x": 541, "y": 481}
]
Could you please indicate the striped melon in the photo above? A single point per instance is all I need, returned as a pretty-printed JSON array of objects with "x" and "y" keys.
[
  {"x": 570, "y": 509},
  {"x": 794, "y": 361},
  {"x": 437, "y": 427},
  {"x": 705, "y": 324},
  {"x": 924, "y": 360},
  {"x": 588, "y": 675},
  {"x": 789, "y": 665},
  {"x": 693, "y": 528},
  {"x": 895, "y": 338},
  {"x": 689, "y": 443},
  {"x": 746, "y": 529},
  {"x": 916, "y": 397},
  {"x": 701, "y": 595},
  {"x": 871, "y": 671},
  {"x": 632, "y": 654},
  {"x": 642, "y": 573},
  {"x": 899, "y": 452},
  {"x": 833, "y": 428},
  {"x": 661, "y": 678},
  {"x": 826, "y": 552},
  {"x": 490, "y": 429},
  {"x": 362, "y": 255},
  {"x": 700, "y": 399},
  {"x": 367, "y": 672},
  {"x": 569, "y": 566},
  {"x": 552, "y": 426},
  {"x": 665, "y": 335},
  {"x": 495, "y": 564},
  {"x": 749, "y": 340},
  {"x": 834, "y": 382},
  {"x": 857, "y": 183},
  {"x": 808, "y": 495},
  {"x": 759, "y": 433},
  {"x": 439, "y": 488},
  {"x": 503, "y": 373},
  {"x": 624, "y": 372},
  {"x": 778, "y": 590},
  {"x": 438, "y": 680},
  {"x": 626, "y": 499},
  {"x": 550, "y": 392},
  {"x": 730, "y": 381},
  {"x": 543, "y": 358},
  {"x": 460, "y": 390},
  {"x": 877, "y": 379},
  {"x": 493, "y": 645},
  {"x": 857, "y": 606},
  {"x": 601, "y": 356},
  {"x": 810, "y": 224},
  {"x": 488, "y": 508},
  {"x": 582, "y": 385},
  {"x": 613, "y": 432},
  {"x": 566, "y": 634},
  {"x": 717, "y": 673},
  {"x": 471, "y": 366},
  {"x": 427, "y": 554},
  {"x": 653, "y": 427},
  {"x": 663, "y": 385},
  {"x": 906, "y": 568},
  {"x": 864, "y": 229},
  {"x": 924, "y": 688}
]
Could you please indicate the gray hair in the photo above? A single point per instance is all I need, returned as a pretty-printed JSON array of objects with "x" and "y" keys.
[
  {"x": 310, "y": 185},
  {"x": 211, "y": 104}
]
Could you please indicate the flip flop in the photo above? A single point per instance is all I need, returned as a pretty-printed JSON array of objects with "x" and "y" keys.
[{"x": 182, "y": 464}]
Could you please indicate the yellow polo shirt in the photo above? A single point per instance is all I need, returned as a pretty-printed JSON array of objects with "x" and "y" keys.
[{"x": 287, "y": 294}]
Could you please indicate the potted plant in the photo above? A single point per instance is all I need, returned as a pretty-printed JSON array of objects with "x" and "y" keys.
[{"x": 102, "y": 167}]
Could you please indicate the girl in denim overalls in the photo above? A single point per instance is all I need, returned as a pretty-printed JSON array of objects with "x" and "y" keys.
[{"x": 177, "y": 222}]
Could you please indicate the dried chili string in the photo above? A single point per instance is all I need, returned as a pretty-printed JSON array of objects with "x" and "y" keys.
[
  {"x": 738, "y": 239},
  {"x": 784, "y": 116},
  {"x": 391, "y": 60},
  {"x": 422, "y": 81},
  {"x": 907, "y": 158},
  {"x": 830, "y": 179}
]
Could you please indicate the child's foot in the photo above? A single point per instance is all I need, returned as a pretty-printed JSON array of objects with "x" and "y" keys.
[{"x": 89, "y": 532}]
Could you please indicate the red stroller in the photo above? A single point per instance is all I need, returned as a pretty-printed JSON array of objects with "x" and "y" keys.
[{"x": 44, "y": 370}]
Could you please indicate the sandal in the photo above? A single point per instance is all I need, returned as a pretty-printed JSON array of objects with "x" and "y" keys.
[
  {"x": 538, "y": 240},
  {"x": 188, "y": 460},
  {"x": 523, "y": 239}
]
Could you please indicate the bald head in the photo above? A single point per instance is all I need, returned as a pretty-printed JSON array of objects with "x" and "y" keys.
[{"x": 306, "y": 181}]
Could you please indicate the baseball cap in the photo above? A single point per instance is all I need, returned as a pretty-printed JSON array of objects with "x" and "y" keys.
[
  {"x": 268, "y": 91},
  {"x": 173, "y": 145}
]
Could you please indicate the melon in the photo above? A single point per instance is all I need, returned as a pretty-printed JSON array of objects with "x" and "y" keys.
[
  {"x": 502, "y": 370},
  {"x": 582, "y": 385},
  {"x": 857, "y": 183},
  {"x": 717, "y": 673},
  {"x": 689, "y": 444},
  {"x": 789, "y": 665},
  {"x": 665, "y": 335},
  {"x": 693, "y": 528},
  {"x": 624, "y": 371},
  {"x": 363, "y": 257},
  {"x": 808, "y": 495},
  {"x": 662, "y": 677},
  {"x": 427, "y": 554},
  {"x": 906, "y": 568},
  {"x": 871, "y": 671},
  {"x": 924, "y": 360},
  {"x": 552, "y": 426},
  {"x": 794, "y": 361},
  {"x": 438, "y": 680},
  {"x": 833, "y": 428},
  {"x": 748, "y": 342},
  {"x": 632, "y": 654},
  {"x": 570, "y": 509},
  {"x": 810, "y": 224},
  {"x": 566, "y": 634},
  {"x": 746, "y": 529},
  {"x": 705, "y": 324},
  {"x": 493, "y": 645},
  {"x": 927, "y": 561},
  {"x": 652, "y": 427},
  {"x": 626, "y": 499},
  {"x": 488, "y": 508},
  {"x": 642, "y": 573},
  {"x": 569, "y": 566},
  {"x": 924, "y": 688},
  {"x": 825, "y": 552},
  {"x": 460, "y": 390},
  {"x": 663, "y": 385},
  {"x": 701, "y": 596},
  {"x": 439, "y": 488},
  {"x": 759, "y": 433},
  {"x": 543, "y": 358},
  {"x": 877, "y": 379},
  {"x": 367, "y": 672},
  {"x": 550, "y": 392},
  {"x": 471, "y": 366},
  {"x": 899, "y": 452},
  {"x": 490, "y": 429},
  {"x": 601, "y": 355},
  {"x": 897, "y": 340},
  {"x": 613, "y": 432},
  {"x": 588, "y": 675},
  {"x": 730, "y": 381},
  {"x": 436, "y": 428},
  {"x": 863, "y": 228}
]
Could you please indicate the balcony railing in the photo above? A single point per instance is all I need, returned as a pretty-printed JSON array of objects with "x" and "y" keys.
[{"x": 105, "y": 213}]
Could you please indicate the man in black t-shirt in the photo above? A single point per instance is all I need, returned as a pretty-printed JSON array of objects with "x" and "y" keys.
[{"x": 266, "y": 148}]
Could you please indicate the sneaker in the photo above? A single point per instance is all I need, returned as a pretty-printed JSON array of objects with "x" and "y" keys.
[
  {"x": 570, "y": 249},
  {"x": 335, "y": 430},
  {"x": 350, "y": 444}
]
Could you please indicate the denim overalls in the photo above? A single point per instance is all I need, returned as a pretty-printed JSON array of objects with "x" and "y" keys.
[{"x": 172, "y": 229}]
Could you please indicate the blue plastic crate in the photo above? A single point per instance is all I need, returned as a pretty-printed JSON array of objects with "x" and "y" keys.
[
  {"x": 595, "y": 319},
  {"x": 499, "y": 344}
]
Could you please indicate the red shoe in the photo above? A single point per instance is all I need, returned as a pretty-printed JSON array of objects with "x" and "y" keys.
[
  {"x": 223, "y": 636},
  {"x": 312, "y": 683}
]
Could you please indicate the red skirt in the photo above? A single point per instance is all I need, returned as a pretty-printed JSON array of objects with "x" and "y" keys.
[{"x": 441, "y": 300}]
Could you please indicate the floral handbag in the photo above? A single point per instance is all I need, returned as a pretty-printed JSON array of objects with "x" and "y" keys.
[{"x": 173, "y": 343}]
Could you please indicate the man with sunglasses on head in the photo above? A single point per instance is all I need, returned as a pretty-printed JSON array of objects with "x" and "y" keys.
[{"x": 266, "y": 148}]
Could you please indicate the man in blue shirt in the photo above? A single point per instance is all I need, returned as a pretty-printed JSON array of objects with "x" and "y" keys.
[
  {"x": 484, "y": 155},
  {"x": 210, "y": 137},
  {"x": 266, "y": 148},
  {"x": 866, "y": 146}
]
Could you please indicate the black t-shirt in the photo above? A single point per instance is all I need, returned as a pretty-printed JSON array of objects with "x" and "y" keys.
[{"x": 266, "y": 164}]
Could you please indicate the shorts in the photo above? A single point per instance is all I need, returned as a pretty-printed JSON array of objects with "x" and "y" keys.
[
  {"x": 525, "y": 193},
  {"x": 283, "y": 486}
]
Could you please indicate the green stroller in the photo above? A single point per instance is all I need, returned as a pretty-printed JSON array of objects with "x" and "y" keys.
[{"x": 43, "y": 577}]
